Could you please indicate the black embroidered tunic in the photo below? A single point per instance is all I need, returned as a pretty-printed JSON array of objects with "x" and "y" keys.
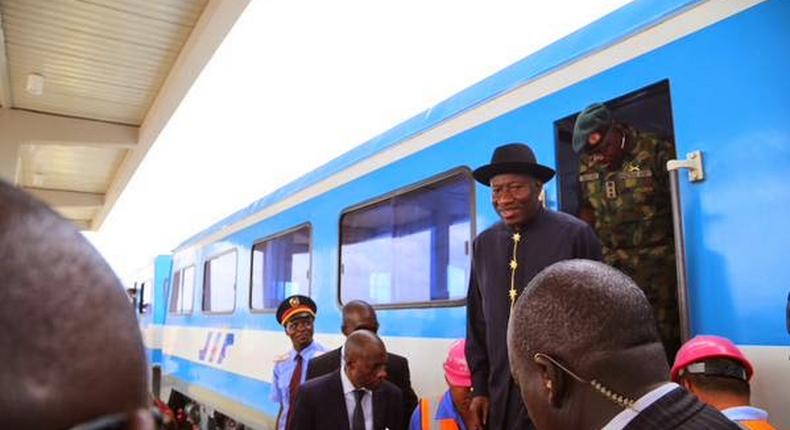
[{"x": 548, "y": 238}]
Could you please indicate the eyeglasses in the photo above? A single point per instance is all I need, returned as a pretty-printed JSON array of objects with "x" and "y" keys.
[
  {"x": 118, "y": 422},
  {"x": 622, "y": 401}
]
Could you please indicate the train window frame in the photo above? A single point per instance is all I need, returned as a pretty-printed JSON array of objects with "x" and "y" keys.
[
  {"x": 181, "y": 271},
  {"x": 464, "y": 171},
  {"x": 275, "y": 236},
  {"x": 144, "y": 307},
  {"x": 235, "y": 282}
]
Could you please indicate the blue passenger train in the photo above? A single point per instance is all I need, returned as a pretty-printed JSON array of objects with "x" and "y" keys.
[{"x": 392, "y": 221}]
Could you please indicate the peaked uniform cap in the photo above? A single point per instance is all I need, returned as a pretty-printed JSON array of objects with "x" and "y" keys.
[
  {"x": 513, "y": 158},
  {"x": 594, "y": 117},
  {"x": 295, "y": 306}
]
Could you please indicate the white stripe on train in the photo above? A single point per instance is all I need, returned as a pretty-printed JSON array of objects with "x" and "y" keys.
[{"x": 252, "y": 353}]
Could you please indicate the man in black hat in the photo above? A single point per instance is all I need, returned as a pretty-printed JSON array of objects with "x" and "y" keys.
[
  {"x": 505, "y": 257},
  {"x": 625, "y": 197},
  {"x": 296, "y": 314}
]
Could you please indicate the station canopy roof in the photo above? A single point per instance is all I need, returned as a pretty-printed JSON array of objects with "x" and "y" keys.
[{"x": 86, "y": 86}]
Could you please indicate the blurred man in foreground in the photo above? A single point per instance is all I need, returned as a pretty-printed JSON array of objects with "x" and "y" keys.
[{"x": 72, "y": 351}]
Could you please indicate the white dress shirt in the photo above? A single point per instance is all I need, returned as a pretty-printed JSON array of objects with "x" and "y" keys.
[
  {"x": 745, "y": 413},
  {"x": 623, "y": 418},
  {"x": 351, "y": 401}
]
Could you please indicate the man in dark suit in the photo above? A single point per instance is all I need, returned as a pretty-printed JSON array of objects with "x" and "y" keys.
[
  {"x": 353, "y": 398},
  {"x": 585, "y": 351},
  {"x": 359, "y": 315}
]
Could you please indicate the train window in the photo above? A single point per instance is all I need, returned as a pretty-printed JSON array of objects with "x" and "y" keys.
[
  {"x": 188, "y": 289},
  {"x": 409, "y": 248},
  {"x": 219, "y": 283},
  {"x": 182, "y": 290},
  {"x": 280, "y": 268}
]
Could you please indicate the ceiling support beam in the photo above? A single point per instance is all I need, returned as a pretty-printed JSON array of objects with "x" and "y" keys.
[
  {"x": 210, "y": 30},
  {"x": 19, "y": 128},
  {"x": 59, "y": 199},
  {"x": 39, "y": 128}
]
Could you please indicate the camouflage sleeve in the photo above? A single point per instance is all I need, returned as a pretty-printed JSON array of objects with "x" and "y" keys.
[
  {"x": 586, "y": 212},
  {"x": 664, "y": 151}
]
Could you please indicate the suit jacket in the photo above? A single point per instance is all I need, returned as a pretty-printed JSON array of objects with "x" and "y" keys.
[
  {"x": 679, "y": 409},
  {"x": 397, "y": 373},
  {"x": 321, "y": 405}
]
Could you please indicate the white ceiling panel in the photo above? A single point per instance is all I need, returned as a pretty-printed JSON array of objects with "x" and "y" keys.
[
  {"x": 100, "y": 59},
  {"x": 80, "y": 169},
  {"x": 113, "y": 71}
]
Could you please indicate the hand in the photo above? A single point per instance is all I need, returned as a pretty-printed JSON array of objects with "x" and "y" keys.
[{"x": 479, "y": 409}]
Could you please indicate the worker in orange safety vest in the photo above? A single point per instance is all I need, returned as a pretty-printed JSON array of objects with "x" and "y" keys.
[{"x": 452, "y": 413}]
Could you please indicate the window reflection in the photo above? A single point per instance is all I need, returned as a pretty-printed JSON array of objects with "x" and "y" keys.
[
  {"x": 219, "y": 283},
  {"x": 280, "y": 268},
  {"x": 410, "y": 248}
]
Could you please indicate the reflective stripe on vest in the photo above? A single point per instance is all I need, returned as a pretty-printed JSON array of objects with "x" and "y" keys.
[
  {"x": 756, "y": 425},
  {"x": 425, "y": 414},
  {"x": 425, "y": 418}
]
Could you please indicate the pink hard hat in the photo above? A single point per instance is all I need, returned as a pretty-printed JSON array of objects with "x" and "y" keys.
[
  {"x": 702, "y": 348},
  {"x": 456, "y": 370}
]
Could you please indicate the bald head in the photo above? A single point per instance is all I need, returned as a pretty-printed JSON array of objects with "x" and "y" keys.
[
  {"x": 578, "y": 307},
  {"x": 71, "y": 347},
  {"x": 366, "y": 359},
  {"x": 359, "y": 315},
  {"x": 596, "y": 322}
]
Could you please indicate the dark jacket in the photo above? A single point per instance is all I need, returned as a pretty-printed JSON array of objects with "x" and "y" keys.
[
  {"x": 322, "y": 405},
  {"x": 679, "y": 409},
  {"x": 548, "y": 238},
  {"x": 397, "y": 373}
]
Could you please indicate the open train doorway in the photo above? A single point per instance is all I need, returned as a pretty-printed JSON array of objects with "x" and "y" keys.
[{"x": 613, "y": 176}]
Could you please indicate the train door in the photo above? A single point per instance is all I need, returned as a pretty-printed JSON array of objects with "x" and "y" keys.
[{"x": 619, "y": 184}]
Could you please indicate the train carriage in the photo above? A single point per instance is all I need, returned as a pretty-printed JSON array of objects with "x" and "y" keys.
[{"x": 392, "y": 221}]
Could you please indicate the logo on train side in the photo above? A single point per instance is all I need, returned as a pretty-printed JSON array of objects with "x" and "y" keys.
[{"x": 216, "y": 347}]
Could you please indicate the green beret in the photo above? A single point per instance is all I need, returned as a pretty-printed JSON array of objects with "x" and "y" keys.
[{"x": 594, "y": 117}]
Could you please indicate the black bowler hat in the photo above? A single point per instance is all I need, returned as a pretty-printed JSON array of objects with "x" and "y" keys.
[
  {"x": 513, "y": 158},
  {"x": 296, "y": 306}
]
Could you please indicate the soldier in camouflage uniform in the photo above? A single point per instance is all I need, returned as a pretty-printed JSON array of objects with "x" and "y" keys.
[{"x": 625, "y": 197}]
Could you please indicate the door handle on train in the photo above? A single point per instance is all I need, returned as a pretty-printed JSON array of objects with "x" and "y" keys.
[{"x": 693, "y": 163}]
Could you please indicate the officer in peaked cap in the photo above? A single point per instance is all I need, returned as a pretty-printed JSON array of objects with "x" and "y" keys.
[
  {"x": 624, "y": 188},
  {"x": 296, "y": 314},
  {"x": 296, "y": 306}
]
